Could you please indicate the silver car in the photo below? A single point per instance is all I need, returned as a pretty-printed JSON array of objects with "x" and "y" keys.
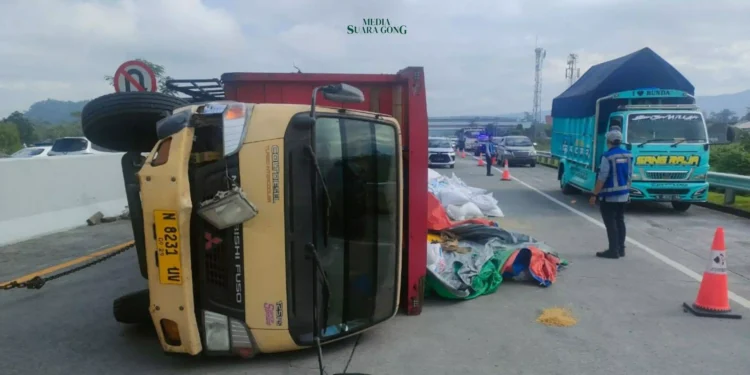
[
  {"x": 440, "y": 153},
  {"x": 75, "y": 146},
  {"x": 517, "y": 150}
]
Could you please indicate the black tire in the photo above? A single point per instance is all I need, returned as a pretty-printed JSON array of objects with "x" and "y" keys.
[
  {"x": 533, "y": 164},
  {"x": 681, "y": 206},
  {"x": 453, "y": 166},
  {"x": 132, "y": 308},
  {"x": 127, "y": 121},
  {"x": 567, "y": 189}
]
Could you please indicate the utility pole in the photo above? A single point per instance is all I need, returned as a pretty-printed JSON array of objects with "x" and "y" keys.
[
  {"x": 572, "y": 72},
  {"x": 536, "y": 112}
]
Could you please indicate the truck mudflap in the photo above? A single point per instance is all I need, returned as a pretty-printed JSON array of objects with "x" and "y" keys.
[{"x": 165, "y": 193}]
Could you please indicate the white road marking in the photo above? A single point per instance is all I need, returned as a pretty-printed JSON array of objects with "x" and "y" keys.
[{"x": 674, "y": 264}]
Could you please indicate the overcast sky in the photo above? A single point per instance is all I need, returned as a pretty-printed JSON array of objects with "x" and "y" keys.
[{"x": 478, "y": 55}]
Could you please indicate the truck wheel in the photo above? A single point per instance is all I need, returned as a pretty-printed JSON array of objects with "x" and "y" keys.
[
  {"x": 533, "y": 164},
  {"x": 132, "y": 308},
  {"x": 567, "y": 189},
  {"x": 680, "y": 206},
  {"x": 127, "y": 121}
]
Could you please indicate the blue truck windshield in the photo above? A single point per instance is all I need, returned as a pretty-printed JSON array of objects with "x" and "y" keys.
[{"x": 666, "y": 127}]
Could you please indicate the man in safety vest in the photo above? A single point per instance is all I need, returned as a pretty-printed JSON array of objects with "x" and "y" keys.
[
  {"x": 490, "y": 151},
  {"x": 613, "y": 192}
]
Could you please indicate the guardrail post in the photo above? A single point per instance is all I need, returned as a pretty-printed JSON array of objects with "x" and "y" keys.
[{"x": 728, "y": 196}]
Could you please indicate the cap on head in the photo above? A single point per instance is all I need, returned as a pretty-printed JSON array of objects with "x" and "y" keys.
[{"x": 614, "y": 136}]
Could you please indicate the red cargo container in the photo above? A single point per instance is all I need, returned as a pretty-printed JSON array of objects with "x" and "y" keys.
[{"x": 401, "y": 95}]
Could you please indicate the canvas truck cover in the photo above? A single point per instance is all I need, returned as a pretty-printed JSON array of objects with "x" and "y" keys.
[{"x": 639, "y": 70}]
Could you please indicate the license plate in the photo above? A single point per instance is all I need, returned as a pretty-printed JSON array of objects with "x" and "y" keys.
[
  {"x": 668, "y": 197},
  {"x": 168, "y": 247}
]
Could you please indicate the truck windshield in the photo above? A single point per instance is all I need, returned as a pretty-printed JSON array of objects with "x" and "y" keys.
[
  {"x": 666, "y": 127},
  {"x": 439, "y": 143},
  {"x": 358, "y": 160}
]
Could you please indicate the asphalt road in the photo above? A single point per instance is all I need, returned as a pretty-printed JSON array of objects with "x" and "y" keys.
[{"x": 629, "y": 315}]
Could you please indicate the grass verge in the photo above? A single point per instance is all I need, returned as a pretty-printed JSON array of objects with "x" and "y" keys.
[{"x": 740, "y": 202}]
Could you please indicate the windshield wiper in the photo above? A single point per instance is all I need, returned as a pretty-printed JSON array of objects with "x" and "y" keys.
[
  {"x": 319, "y": 271},
  {"x": 654, "y": 140},
  {"x": 685, "y": 140},
  {"x": 314, "y": 161}
]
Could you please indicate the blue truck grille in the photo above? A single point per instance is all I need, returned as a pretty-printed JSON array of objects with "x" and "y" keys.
[{"x": 667, "y": 175}]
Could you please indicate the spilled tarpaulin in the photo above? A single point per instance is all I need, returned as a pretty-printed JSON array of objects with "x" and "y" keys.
[
  {"x": 483, "y": 255},
  {"x": 437, "y": 218}
]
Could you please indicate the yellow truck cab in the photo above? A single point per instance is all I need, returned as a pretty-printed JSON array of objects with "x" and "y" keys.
[{"x": 268, "y": 227}]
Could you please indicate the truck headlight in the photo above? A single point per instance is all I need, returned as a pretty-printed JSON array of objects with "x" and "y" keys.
[
  {"x": 533, "y": 153},
  {"x": 698, "y": 177},
  {"x": 636, "y": 176},
  {"x": 217, "y": 331},
  {"x": 224, "y": 334},
  {"x": 227, "y": 209}
]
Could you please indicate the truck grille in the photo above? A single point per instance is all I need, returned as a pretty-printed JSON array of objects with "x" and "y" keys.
[
  {"x": 667, "y": 175},
  {"x": 217, "y": 254},
  {"x": 440, "y": 158}
]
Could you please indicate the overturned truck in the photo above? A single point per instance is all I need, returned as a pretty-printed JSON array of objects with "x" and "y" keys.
[{"x": 267, "y": 219}]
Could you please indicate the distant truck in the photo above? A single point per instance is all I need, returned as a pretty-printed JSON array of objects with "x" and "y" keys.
[{"x": 653, "y": 105}]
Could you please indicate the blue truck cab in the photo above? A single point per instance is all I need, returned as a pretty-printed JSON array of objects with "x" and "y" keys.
[{"x": 654, "y": 107}]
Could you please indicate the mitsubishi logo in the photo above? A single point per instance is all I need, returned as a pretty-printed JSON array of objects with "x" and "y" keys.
[{"x": 211, "y": 241}]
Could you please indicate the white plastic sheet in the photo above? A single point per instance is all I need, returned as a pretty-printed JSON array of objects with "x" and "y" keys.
[{"x": 452, "y": 191}]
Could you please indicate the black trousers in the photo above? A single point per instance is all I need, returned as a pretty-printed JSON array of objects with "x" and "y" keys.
[
  {"x": 613, "y": 216},
  {"x": 488, "y": 162}
]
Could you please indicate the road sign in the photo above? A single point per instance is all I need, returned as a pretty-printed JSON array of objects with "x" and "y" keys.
[{"x": 134, "y": 76}]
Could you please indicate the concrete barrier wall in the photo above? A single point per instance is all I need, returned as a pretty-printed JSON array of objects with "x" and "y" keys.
[{"x": 50, "y": 194}]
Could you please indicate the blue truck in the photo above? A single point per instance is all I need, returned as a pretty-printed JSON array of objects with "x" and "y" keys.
[{"x": 653, "y": 104}]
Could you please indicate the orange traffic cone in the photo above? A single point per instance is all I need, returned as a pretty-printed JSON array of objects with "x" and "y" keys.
[
  {"x": 506, "y": 172},
  {"x": 481, "y": 160},
  {"x": 713, "y": 294},
  {"x": 494, "y": 160}
]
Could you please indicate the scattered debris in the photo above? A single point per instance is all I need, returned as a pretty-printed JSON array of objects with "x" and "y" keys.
[
  {"x": 99, "y": 217},
  {"x": 557, "y": 317}
]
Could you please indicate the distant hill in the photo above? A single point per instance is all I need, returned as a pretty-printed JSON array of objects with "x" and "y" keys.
[
  {"x": 54, "y": 112},
  {"x": 737, "y": 103}
]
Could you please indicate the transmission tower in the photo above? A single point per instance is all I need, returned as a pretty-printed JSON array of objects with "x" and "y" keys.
[
  {"x": 536, "y": 111},
  {"x": 572, "y": 72}
]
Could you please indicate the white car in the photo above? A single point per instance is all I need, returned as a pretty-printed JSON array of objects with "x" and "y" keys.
[
  {"x": 32, "y": 152},
  {"x": 440, "y": 153},
  {"x": 75, "y": 146}
]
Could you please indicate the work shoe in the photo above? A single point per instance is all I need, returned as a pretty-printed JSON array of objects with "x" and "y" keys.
[
  {"x": 608, "y": 254},
  {"x": 490, "y": 175},
  {"x": 622, "y": 252}
]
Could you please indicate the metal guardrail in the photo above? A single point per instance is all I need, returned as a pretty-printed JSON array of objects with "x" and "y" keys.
[{"x": 731, "y": 183}]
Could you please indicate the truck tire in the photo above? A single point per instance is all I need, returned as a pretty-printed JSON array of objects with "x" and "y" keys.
[
  {"x": 680, "y": 206},
  {"x": 127, "y": 121},
  {"x": 132, "y": 308},
  {"x": 533, "y": 164},
  {"x": 567, "y": 189}
]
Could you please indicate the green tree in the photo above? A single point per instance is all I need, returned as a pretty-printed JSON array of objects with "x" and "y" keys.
[
  {"x": 725, "y": 116},
  {"x": 160, "y": 73},
  {"x": 10, "y": 139},
  {"x": 26, "y": 129}
]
